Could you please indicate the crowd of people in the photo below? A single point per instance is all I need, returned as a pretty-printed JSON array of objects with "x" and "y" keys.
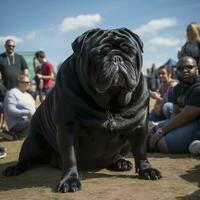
[
  {"x": 18, "y": 93},
  {"x": 174, "y": 120}
]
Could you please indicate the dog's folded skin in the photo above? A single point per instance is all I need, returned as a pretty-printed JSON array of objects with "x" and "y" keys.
[{"x": 95, "y": 112}]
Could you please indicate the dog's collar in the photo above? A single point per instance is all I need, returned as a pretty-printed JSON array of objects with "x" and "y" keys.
[{"x": 111, "y": 123}]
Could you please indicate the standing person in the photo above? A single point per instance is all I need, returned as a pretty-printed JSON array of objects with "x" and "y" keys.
[
  {"x": 176, "y": 134},
  {"x": 19, "y": 106},
  {"x": 192, "y": 46},
  {"x": 46, "y": 72},
  {"x": 38, "y": 81},
  {"x": 11, "y": 65}
]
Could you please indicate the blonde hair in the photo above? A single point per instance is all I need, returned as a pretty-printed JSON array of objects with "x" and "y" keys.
[{"x": 196, "y": 29}]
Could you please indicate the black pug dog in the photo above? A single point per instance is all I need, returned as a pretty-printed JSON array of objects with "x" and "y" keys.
[{"x": 97, "y": 108}]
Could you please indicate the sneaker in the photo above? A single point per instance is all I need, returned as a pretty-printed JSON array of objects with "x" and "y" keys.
[
  {"x": 194, "y": 147},
  {"x": 2, "y": 152},
  {"x": 7, "y": 135}
]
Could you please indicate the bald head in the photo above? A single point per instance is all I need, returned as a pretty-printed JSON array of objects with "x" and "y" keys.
[
  {"x": 8, "y": 41},
  {"x": 187, "y": 70},
  {"x": 9, "y": 46},
  {"x": 186, "y": 60}
]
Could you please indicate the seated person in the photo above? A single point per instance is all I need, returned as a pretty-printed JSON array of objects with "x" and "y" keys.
[
  {"x": 176, "y": 134},
  {"x": 19, "y": 107},
  {"x": 162, "y": 108}
]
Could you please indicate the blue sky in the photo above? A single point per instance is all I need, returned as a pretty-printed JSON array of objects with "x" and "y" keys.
[{"x": 52, "y": 25}]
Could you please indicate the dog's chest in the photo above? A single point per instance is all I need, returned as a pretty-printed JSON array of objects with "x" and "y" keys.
[
  {"x": 97, "y": 143},
  {"x": 97, "y": 148}
]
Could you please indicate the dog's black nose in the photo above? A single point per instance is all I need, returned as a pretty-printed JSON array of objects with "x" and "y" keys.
[{"x": 117, "y": 59}]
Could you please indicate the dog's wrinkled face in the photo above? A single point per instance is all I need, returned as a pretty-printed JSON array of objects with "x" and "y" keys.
[{"x": 113, "y": 66}]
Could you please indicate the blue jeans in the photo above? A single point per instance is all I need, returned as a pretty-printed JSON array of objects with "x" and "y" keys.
[
  {"x": 166, "y": 110},
  {"x": 178, "y": 140}
]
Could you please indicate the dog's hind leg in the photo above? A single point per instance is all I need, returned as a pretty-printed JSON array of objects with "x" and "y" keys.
[
  {"x": 119, "y": 162},
  {"x": 32, "y": 152}
]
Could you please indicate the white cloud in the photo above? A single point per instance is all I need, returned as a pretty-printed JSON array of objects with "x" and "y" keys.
[
  {"x": 81, "y": 21},
  {"x": 150, "y": 48},
  {"x": 15, "y": 38},
  {"x": 31, "y": 35},
  {"x": 165, "y": 41},
  {"x": 155, "y": 25}
]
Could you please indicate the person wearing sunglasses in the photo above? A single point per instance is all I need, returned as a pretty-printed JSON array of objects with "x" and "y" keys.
[
  {"x": 19, "y": 107},
  {"x": 11, "y": 65},
  {"x": 176, "y": 134}
]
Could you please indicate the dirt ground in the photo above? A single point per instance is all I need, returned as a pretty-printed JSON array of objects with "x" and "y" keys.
[{"x": 181, "y": 181}]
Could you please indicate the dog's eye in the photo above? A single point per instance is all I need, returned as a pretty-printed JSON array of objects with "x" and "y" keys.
[
  {"x": 129, "y": 49},
  {"x": 106, "y": 50},
  {"x": 125, "y": 48}
]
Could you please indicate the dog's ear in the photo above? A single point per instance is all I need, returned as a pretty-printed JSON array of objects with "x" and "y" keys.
[
  {"x": 136, "y": 37},
  {"x": 79, "y": 42}
]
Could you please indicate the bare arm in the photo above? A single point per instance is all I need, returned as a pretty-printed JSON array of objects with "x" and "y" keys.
[
  {"x": 188, "y": 114},
  {"x": 46, "y": 77},
  {"x": 156, "y": 96}
]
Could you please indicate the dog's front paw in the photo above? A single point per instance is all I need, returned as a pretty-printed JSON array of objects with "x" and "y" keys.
[
  {"x": 69, "y": 185},
  {"x": 146, "y": 172},
  {"x": 149, "y": 174}
]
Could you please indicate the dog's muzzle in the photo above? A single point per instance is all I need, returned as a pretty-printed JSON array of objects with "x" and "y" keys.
[
  {"x": 118, "y": 79},
  {"x": 117, "y": 59}
]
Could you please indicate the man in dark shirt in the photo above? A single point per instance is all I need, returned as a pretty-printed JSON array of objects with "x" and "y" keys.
[
  {"x": 176, "y": 134},
  {"x": 11, "y": 65}
]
